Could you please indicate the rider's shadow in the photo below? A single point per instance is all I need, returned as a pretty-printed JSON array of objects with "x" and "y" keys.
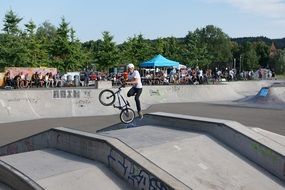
[
  {"x": 135, "y": 123},
  {"x": 132, "y": 124}
]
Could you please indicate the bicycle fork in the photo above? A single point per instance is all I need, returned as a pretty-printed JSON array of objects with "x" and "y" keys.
[{"x": 126, "y": 102}]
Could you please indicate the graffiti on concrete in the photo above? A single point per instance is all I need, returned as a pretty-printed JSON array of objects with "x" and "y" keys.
[
  {"x": 154, "y": 92},
  {"x": 66, "y": 94},
  {"x": 87, "y": 94},
  {"x": 136, "y": 176},
  {"x": 29, "y": 145},
  {"x": 83, "y": 103},
  {"x": 176, "y": 88},
  {"x": 264, "y": 151},
  {"x": 31, "y": 100},
  {"x": 71, "y": 93},
  {"x": 12, "y": 149}
]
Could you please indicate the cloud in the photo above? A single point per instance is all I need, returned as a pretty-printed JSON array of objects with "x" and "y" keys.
[{"x": 267, "y": 8}]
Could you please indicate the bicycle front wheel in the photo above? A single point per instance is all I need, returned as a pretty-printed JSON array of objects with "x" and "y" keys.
[
  {"x": 127, "y": 115},
  {"x": 107, "y": 97}
]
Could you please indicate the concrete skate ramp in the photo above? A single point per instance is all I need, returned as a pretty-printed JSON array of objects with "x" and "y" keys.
[
  {"x": 162, "y": 151},
  {"x": 19, "y": 105},
  {"x": 68, "y": 159},
  {"x": 59, "y": 170},
  {"x": 206, "y": 153},
  {"x": 268, "y": 97}
]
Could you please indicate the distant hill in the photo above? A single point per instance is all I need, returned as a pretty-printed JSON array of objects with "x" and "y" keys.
[{"x": 279, "y": 43}]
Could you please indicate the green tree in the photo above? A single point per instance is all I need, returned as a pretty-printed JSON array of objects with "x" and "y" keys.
[
  {"x": 46, "y": 35},
  {"x": 12, "y": 48},
  {"x": 12, "y": 51},
  {"x": 277, "y": 62},
  {"x": 46, "y": 31},
  {"x": 92, "y": 48},
  {"x": 106, "y": 55},
  {"x": 159, "y": 46},
  {"x": 217, "y": 42},
  {"x": 262, "y": 51},
  {"x": 136, "y": 50},
  {"x": 61, "y": 49},
  {"x": 168, "y": 47},
  {"x": 280, "y": 62},
  {"x": 195, "y": 51},
  {"x": 249, "y": 56},
  {"x": 30, "y": 28},
  {"x": 236, "y": 52},
  {"x": 37, "y": 54},
  {"x": 173, "y": 49},
  {"x": 11, "y": 22}
]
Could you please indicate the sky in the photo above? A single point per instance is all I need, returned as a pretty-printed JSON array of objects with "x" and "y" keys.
[{"x": 153, "y": 18}]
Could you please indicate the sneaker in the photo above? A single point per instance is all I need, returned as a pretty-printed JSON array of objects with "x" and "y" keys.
[{"x": 140, "y": 114}]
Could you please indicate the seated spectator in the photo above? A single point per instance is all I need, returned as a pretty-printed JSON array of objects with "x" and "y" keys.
[
  {"x": 57, "y": 80},
  {"x": 46, "y": 79},
  {"x": 50, "y": 79},
  {"x": 17, "y": 80},
  {"x": 22, "y": 80},
  {"x": 35, "y": 79},
  {"x": 41, "y": 79},
  {"x": 27, "y": 81},
  {"x": 8, "y": 80}
]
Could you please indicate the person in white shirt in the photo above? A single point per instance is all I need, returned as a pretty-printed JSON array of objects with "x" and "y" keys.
[{"x": 134, "y": 79}]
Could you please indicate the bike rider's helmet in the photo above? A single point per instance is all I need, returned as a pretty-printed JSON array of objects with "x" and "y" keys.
[{"x": 130, "y": 66}]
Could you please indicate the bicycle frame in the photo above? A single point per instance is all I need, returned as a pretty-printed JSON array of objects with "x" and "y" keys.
[{"x": 121, "y": 100}]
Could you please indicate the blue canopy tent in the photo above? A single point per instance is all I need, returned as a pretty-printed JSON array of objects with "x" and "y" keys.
[{"x": 159, "y": 61}]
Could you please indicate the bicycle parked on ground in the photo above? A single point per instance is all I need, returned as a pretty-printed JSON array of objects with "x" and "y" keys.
[{"x": 108, "y": 97}]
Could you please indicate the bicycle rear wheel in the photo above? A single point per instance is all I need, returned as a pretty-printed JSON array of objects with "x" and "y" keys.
[
  {"x": 127, "y": 115},
  {"x": 107, "y": 97}
]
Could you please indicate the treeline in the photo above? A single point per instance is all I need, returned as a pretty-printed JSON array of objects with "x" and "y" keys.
[
  {"x": 51, "y": 46},
  {"x": 279, "y": 43}
]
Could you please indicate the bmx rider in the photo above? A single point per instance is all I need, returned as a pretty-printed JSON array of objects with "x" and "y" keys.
[{"x": 134, "y": 79}]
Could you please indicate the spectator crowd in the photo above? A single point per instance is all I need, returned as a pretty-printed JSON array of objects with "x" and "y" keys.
[{"x": 165, "y": 76}]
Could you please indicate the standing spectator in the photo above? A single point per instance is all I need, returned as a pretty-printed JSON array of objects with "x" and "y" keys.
[
  {"x": 231, "y": 74},
  {"x": 171, "y": 75},
  {"x": 201, "y": 75},
  {"x": 273, "y": 75},
  {"x": 86, "y": 77},
  {"x": 215, "y": 76}
]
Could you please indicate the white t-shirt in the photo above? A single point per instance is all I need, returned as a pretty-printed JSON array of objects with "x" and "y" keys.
[{"x": 135, "y": 75}]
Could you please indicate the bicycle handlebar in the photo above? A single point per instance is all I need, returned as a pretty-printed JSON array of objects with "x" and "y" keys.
[{"x": 122, "y": 83}]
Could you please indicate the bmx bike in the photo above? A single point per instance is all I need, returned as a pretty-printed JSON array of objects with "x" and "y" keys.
[{"x": 108, "y": 97}]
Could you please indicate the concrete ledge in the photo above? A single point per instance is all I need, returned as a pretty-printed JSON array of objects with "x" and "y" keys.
[
  {"x": 255, "y": 147},
  {"x": 15, "y": 179},
  {"x": 120, "y": 158},
  {"x": 103, "y": 84},
  {"x": 19, "y": 105}
]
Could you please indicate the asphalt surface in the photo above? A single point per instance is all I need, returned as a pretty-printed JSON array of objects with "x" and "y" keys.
[{"x": 268, "y": 119}]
